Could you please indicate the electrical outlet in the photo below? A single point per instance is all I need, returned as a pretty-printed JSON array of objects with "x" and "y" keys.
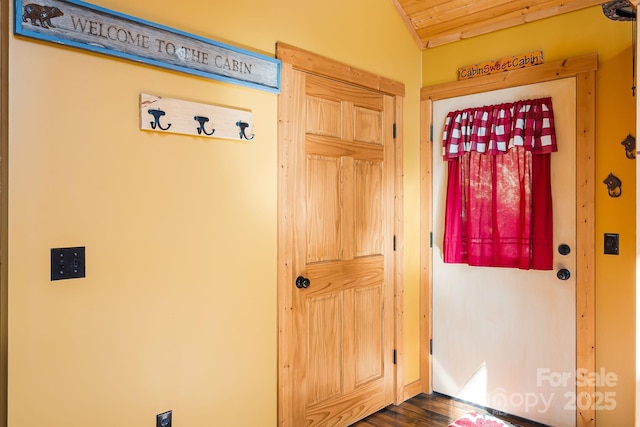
[
  {"x": 67, "y": 263},
  {"x": 164, "y": 419}
]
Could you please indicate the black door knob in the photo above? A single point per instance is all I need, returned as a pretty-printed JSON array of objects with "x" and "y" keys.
[
  {"x": 564, "y": 249},
  {"x": 302, "y": 282},
  {"x": 563, "y": 274}
]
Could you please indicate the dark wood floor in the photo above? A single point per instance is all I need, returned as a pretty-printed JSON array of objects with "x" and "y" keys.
[{"x": 431, "y": 410}]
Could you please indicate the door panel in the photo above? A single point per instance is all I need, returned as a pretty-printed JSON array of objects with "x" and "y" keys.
[
  {"x": 368, "y": 340},
  {"x": 368, "y": 125},
  {"x": 498, "y": 334},
  {"x": 324, "y": 321},
  {"x": 368, "y": 208},
  {"x": 323, "y": 218},
  {"x": 323, "y": 117},
  {"x": 343, "y": 362}
]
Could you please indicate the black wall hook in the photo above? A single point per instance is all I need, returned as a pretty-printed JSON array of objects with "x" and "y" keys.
[
  {"x": 156, "y": 123},
  {"x": 243, "y": 128},
  {"x": 629, "y": 144},
  {"x": 614, "y": 185},
  {"x": 202, "y": 120}
]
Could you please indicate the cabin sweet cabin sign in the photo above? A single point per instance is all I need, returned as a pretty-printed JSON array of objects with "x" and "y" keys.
[
  {"x": 508, "y": 63},
  {"x": 85, "y": 26}
]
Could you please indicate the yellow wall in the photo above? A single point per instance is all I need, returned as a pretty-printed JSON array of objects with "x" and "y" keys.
[
  {"x": 178, "y": 309},
  {"x": 576, "y": 34}
]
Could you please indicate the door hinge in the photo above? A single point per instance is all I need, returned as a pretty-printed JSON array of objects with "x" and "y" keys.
[
  {"x": 431, "y": 239},
  {"x": 431, "y": 346},
  {"x": 431, "y": 133},
  {"x": 395, "y": 356},
  {"x": 394, "y": 243},
  {"x": 395, "y": 130}
]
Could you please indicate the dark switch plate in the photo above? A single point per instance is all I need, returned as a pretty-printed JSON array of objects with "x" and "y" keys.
[
  {"x": 164, "y": 419},
  {"x": 67, "y": 263},
  {"x": 611, "y": 243}
]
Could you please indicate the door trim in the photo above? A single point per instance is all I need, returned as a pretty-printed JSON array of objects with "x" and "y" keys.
[
  {"x": 297, "y": 59},
  {"x": 4, "y": 206},
  {"x": 583, "y": 68}
]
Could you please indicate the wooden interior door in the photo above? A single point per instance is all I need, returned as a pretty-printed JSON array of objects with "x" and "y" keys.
[{"x": 341, "y": 347}]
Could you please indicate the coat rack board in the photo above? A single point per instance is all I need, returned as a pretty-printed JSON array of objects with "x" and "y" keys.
[{"x": 191, "y": 118}]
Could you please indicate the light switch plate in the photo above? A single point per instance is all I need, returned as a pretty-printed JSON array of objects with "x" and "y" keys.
[
  {"x": 611, "y": 243},
  {"x": 67, "y": 263}
]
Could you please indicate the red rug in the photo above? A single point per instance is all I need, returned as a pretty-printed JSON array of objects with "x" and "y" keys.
[{"x": 475, "y": 419}]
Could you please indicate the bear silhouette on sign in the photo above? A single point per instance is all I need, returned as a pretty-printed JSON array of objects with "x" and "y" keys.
[{"x": 42, "y": 14}]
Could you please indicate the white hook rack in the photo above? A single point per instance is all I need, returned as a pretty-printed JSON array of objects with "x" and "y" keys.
[{"x": 168, "y": 115}]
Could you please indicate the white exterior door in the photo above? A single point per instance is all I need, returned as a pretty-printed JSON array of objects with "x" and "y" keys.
[{"x": 506, "y": 338}]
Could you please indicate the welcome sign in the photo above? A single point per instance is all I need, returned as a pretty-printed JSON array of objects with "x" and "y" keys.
[{"x": 85, "y": 26}]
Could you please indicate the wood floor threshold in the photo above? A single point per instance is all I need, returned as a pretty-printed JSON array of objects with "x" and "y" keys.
[{"x": 433, "y": 410}]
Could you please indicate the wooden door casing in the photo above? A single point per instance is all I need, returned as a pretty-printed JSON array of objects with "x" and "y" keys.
[
  {"x": 583, "y": 68},
  {"x": 339, "y": 215}
]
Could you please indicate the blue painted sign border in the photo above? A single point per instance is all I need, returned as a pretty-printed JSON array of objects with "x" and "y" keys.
[{"x": 85, "y": 26}]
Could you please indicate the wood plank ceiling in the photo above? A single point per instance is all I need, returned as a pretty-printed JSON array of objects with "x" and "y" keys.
[{"x": 437, "y": 22}]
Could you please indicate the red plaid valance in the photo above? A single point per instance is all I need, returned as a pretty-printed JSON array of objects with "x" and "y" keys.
[{"x": 494, "y": 129}]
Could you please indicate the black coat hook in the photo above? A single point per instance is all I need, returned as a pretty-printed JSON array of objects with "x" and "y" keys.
[
  {"x": 614, "y": 185},
  {"x": 243, "y": 128},
  {"x": 202, "y": 120},
  {"x": 156, "y": 123},
  {"x": 629, "y": 144}
]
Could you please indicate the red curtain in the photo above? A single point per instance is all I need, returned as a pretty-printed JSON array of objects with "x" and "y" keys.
[{"x": 498, "y": 209}]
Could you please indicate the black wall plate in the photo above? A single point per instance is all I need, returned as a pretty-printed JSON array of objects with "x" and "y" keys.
[
  {"x": 164, "y": 419},
  {"x": 67, "y": 263},
  {"x": 611, "y": 244}
]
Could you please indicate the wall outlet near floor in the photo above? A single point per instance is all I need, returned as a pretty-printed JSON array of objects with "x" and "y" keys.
[{"x": 164, "y": 419}]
